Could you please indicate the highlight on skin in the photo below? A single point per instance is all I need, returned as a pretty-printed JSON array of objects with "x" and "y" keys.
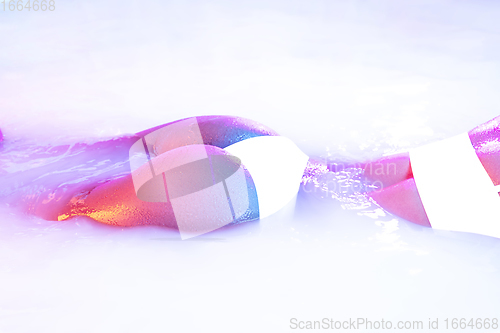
[
  {"x": 95, "y": 179},
  {"x": 401, "y": 197}
]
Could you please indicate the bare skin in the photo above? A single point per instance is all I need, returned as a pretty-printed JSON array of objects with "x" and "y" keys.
[
  {"x": 400, "y": 195},
  {"x": 95, "y": 180},
  {"x": 53, "y": 195}
]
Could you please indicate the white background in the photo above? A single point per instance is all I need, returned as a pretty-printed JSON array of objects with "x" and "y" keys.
[{"x": 352, "y": 79}]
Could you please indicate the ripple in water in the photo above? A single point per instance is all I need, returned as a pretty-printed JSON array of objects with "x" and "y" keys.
[{"x": 345, "y": 184}]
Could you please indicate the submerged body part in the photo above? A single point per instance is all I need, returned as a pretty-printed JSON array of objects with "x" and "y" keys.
[
  {"x": 201, "y": 173},
  {"x": 452, "y": 184},
  {"x": 195, "y": 175}
]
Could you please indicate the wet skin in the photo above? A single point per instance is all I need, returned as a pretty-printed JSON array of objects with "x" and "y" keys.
[
  {"x": 95, "y": 180},
  {"x": 400, "y": 195},
  {"x": 104, "y": 190}
]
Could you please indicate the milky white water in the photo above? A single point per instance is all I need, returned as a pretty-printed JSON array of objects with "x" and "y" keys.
[{"x": 344, "y": 80}]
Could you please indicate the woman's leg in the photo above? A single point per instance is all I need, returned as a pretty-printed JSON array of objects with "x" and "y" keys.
[
  {"x": 389, "y": 170},
  {"x": 49, "y": 177},
  {"x": 402, "y": 199},
  {"x": 399, "y": 194}
]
